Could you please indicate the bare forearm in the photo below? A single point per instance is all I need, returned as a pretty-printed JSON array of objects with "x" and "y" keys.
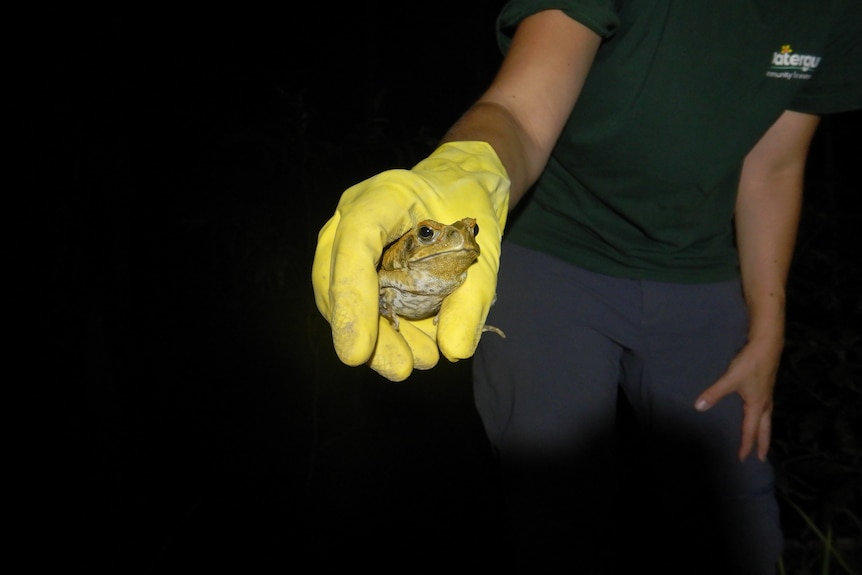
[
  {"x": 767, "y": 217},
  {"x": 489, "y": 122}
]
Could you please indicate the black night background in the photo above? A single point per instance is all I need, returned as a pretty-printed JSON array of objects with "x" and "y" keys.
[{"x": 190, "y": 158}]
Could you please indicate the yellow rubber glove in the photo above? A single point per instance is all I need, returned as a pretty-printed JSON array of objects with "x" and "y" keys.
[{"x": 458, "y": 180}]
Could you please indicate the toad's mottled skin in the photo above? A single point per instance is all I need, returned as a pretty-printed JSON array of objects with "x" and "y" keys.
[{"x": 424, "y": 266}]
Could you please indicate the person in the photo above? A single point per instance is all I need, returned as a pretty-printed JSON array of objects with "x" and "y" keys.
[{"x": 650, "y": 158}]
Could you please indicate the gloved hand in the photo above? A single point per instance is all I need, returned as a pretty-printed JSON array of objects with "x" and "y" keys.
[{"x": 458, "y": 180}]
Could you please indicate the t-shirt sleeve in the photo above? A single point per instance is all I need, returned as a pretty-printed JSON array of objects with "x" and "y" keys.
[
  {"x": 600, "y": 16},
  {"x": 837, "y": 84}
]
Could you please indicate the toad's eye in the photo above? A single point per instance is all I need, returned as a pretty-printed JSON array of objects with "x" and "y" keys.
[
  {"x": 475, "y": 229},
  {"x": 425, "y": 234}
]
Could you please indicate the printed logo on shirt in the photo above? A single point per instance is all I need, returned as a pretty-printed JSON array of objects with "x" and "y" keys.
[{"x": 788, "y": 65}]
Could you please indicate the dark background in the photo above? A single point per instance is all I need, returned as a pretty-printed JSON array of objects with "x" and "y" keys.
[{"x": 193, "y": 157}]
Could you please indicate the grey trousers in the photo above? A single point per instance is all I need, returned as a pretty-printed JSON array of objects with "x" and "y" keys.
[{"x": 680, "y": 500}]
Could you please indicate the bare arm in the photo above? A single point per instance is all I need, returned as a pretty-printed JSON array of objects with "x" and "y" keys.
[
  {"x": 767, "y": 216},
  {"x": 524, "y": 110}
]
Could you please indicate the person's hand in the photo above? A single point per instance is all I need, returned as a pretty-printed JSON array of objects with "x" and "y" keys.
[
  {"x": 752, "y": 375},
  {"x": 458, "y": 180}
]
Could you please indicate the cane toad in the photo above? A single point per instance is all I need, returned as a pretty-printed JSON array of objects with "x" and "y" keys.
[{"x": 424, "y": 266}]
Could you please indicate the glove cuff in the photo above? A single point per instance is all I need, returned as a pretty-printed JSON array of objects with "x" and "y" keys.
[{"x": 479, "y": 161}]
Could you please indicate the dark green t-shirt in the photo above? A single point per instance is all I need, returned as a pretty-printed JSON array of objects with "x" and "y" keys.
[{"x": 643, "y": 180}]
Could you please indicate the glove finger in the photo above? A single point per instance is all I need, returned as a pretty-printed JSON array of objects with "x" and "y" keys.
[
  {"x": 354, "y": 292},
  {"x": 353, "y": 332},
  {"x": 462, "y": 316},
  {"x": 320, "y": 267},
  {"x": 392, "y": 357},
  {"x": 421, "y": 336},
  {"x": 460, "y": 325}
]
